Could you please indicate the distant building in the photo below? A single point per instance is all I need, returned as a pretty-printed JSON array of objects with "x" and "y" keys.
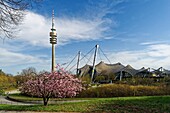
[{"x": 120, "y": 71}]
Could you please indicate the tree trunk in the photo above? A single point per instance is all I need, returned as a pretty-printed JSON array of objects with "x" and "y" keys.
[{"x": 45, "y": 100}]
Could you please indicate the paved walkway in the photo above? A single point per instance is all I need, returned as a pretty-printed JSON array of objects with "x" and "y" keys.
[{"x": 3, "y": 100}]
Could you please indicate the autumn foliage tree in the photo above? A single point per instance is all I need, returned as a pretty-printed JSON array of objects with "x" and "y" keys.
[
  {"x": 58, "y": 84},
  {"x": 7, "y": 81}
]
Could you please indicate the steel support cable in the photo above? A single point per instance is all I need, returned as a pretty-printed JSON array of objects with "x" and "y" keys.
[
  {"x": 83, "y": 58},
  {"x": 64, "y": 63},
  {"x": 71, "y": 61},
  {"x": 87, "y": 63},
  {"x": 87, "y": 54},
  {"x": 86, "y": 58},
  {"x": 104, "y": 54},
  {"x": 100, "y": 56},
  {"x": 71, "y": 68},
  {"x": 72, "y": 71}
]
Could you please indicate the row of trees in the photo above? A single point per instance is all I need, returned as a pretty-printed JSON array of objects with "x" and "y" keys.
[{"x": 6, "y": 81}]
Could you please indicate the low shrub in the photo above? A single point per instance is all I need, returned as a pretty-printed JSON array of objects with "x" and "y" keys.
[
  {"x": 141, "y": 81},
  {"x": 123, "y": 90},
  {"x": 1, "y": 91}
]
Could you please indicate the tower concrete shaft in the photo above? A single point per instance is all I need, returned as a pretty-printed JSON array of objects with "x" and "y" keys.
[
  {"x": 53, "y": 58},
  {"x": 53, "y": 41}
]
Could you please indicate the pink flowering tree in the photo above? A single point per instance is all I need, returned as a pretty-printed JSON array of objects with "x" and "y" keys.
[{"x": 59, "y": 84}]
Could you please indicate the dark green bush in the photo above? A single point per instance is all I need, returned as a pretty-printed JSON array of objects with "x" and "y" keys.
[
  {"x": 1, "y": 91},
  {"x": 123, "y": 90},
  {"x": 99, "y": 78},
  {"x": 139, "y": 81}
]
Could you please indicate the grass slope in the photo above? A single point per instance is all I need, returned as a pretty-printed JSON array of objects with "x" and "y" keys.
[{"x": 149, "y": 104}]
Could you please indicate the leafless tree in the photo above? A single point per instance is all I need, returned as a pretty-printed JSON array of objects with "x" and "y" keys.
[
  {"x": 31, "y": 71},
  {"x": 25, "y": 75},
  {"x": 11, "y": 15}
]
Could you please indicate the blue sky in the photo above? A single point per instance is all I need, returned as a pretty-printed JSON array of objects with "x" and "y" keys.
[{"x": 135, "y": 32}]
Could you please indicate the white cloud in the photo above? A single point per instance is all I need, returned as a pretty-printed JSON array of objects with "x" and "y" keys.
[
  {"x": 153, "y": 56},
  {"x": 35, "y": 29},
  {"x": 159, "y": 50},
  {"x": 13, "y": 60},
  {"x": 153, "y": 42}
]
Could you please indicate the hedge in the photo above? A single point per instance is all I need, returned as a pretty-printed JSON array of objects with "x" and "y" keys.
[{"x": 123, "y": 90}]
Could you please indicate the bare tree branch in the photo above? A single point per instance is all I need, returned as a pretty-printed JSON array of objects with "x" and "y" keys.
[{"x": 12, "y": 15}]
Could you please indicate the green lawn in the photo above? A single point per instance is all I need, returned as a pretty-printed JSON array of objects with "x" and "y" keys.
[
  {"x": 149, "y": 104},
  {"x": 21, "y": 97}
]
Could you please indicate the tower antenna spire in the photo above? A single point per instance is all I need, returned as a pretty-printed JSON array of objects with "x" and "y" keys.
[{"x": 52, "y": 20}]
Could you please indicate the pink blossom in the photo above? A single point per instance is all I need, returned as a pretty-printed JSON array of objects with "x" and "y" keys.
[{"x": 59, "y": 84}]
